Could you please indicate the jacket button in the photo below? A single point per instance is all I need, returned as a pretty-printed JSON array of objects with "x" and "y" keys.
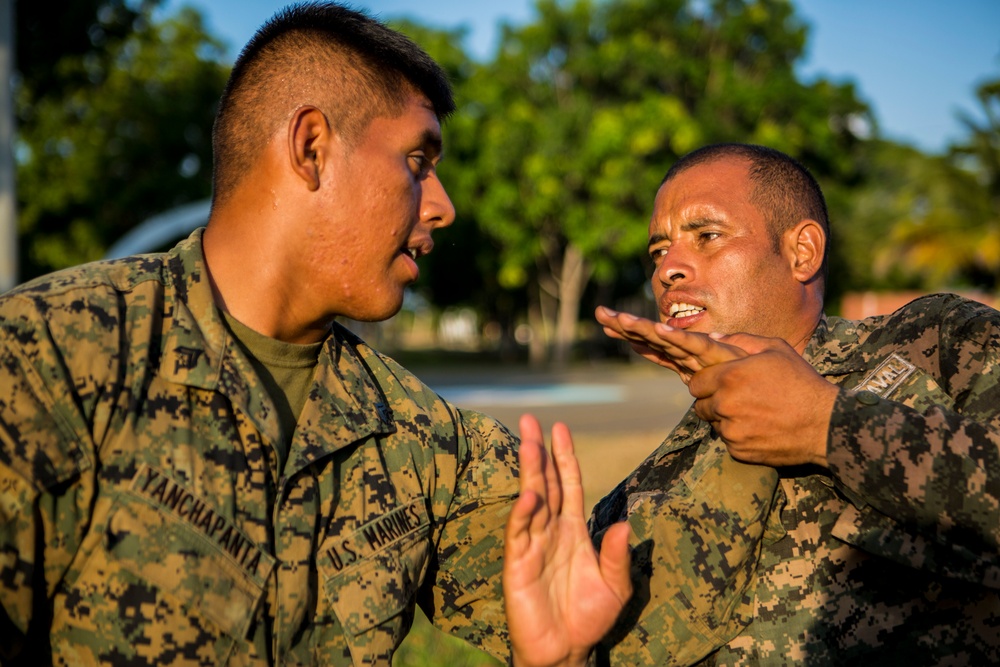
[{"x": 866, "y": 397}]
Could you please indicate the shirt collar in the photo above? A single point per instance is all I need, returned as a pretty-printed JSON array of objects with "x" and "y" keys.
[{"x": 830, "y": 350}]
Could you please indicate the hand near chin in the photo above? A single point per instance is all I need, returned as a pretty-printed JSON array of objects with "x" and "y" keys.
[
  {"x": 761, "y": 397},
  {"x": 769, "y": 407},
  {"x": 684, "y": 352}
]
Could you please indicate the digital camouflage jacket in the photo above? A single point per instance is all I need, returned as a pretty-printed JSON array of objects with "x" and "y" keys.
[
  {"x": 891, "y": 556},
  {"x": 142, "y": 517}
]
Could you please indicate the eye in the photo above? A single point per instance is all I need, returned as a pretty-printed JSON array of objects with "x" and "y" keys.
[
  {"x": 657, "y": 254},
  {"x": 706, "y": 236},
  {"x": 420, "y": 164}
]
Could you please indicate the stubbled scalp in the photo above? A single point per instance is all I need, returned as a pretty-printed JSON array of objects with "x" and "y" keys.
[{"x": 344, "y": 62}]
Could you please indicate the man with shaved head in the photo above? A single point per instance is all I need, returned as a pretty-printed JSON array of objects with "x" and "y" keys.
[
  {"x": 832, "y": 497},
  {"x": 198, "y": 465}
]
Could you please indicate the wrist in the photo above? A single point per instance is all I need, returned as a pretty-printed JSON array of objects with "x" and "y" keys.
[
  {"x": 580, "y": 660},
  {"x": 824, "y": 413}
]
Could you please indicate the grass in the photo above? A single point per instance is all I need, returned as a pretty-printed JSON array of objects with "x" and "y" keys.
[{"x": 426, "y": 646}]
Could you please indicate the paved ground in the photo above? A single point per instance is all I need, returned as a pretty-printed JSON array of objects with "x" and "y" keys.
[{"x": 618, "y": 413}]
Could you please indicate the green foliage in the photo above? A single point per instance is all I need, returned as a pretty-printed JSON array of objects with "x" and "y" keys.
[
  {"x": 583, "y": 111},
  {"x": 426, "y": 646},
  {"x": 930, "y": 222},
  {"x": 553, "y": 157},
  {"x": 114, "y": 133}
]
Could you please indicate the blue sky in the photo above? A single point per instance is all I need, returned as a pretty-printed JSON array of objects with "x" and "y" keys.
[{"x": 916, "y": 62}]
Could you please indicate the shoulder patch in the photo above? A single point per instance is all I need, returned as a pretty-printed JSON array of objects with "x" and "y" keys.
[{"x": 887, "y": 376}]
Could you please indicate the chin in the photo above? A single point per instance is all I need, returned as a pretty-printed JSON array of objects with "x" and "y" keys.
[{"x": 375, "y": 312}]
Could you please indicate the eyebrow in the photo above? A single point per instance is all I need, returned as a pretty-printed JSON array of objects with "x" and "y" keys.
[
  {"x": 689, "y": 226},
  {"x": 433, "y": 143}
]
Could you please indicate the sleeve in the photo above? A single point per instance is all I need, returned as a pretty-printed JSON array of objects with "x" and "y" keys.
[
  {"x": 923, "y": 475},
  {"x": 465, "y": 598},
  {"x": 42, "y": 506}
]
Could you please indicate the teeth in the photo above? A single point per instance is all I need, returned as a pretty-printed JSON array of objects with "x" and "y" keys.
[
  {"x": 684, "y": 310},
  {"x": 412, "y": 252}
]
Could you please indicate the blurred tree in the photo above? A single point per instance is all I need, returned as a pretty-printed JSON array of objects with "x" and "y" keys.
[
  {"x": 583, "y": 111},
  {"x": 464, "y": 266},
  {"x": 866, "y": 211},
  {"x": 114, "y": 123},
  {"x": 944, "y": 211}
]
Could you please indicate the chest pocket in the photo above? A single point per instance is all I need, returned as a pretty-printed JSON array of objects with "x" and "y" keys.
[
  {"x": 163, "y": 589},
  {"x": 371, "y": 577}
]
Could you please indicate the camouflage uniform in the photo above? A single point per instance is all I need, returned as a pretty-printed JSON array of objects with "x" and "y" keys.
[
  {"x": 142, "y": 516},
  {"x": 890, "y": 556}
]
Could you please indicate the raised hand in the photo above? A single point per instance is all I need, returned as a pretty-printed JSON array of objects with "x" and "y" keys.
[
  {"x": 561, "y": 596},
  {"x": 683, "y": 352}
]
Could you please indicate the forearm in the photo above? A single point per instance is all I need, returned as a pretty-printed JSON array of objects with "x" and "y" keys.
[
  {"x": 935, "y": 473},
  {"x": 464, "y": 595}
]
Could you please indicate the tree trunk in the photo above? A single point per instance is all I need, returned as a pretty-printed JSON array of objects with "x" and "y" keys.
[
  {"x": 543, "y": 308},
  {"x": 537, "y": 346},
  {"x": 574, "y": 274}
]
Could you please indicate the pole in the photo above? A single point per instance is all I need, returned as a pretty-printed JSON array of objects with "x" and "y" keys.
[{"x": 8, "y": 198}]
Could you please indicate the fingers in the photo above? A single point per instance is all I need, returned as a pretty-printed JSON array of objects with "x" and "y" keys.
[
  {"x": 544, "y": 478},
  {"x": 535, "y": 472},
  {"x": 615, "y": 560},
  {"x": 530, "y": 429},
  {"x": 517, "y": 534},
  {"x": 704, "y": 348},
  {"x": 625, "y": 326},
  {"x": 532, "y": 456},
  {"x": 569, "y": 471},
  {"x": 688, "y": 351}
]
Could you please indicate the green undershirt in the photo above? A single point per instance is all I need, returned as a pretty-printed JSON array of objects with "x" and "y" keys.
[{"x": 286, "y": 369}]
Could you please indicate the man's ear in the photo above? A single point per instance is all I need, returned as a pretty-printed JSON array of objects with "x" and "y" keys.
[
  {"x": 805, "y": 244},
  {"x": 309, "y": 142}
]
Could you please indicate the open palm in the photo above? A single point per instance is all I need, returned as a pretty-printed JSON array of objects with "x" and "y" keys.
[{"x": 561, "y": 596}]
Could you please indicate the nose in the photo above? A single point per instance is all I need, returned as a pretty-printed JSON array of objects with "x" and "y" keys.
[
  {"x": 436, "y": 208},
  {"x": 675, "y": 267}
]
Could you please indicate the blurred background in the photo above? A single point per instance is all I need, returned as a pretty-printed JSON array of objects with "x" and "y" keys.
[{"x": 570, "y": 112}]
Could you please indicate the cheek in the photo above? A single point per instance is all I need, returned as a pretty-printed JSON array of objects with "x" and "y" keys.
[
  {"x": 737, "y": 282},
  {"x": 757, "y": 287}
]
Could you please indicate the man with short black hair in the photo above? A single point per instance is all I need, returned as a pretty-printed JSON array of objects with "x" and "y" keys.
[
  {"x": 199, "y": 466},
  {"x": 833, "y": 495}
]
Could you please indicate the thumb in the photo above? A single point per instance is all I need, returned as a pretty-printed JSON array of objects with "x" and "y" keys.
[{"x": 749, "y": 343}]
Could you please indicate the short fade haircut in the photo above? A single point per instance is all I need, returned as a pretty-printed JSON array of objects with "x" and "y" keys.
[
  {"x": 783, "y": 189},
  {"x": 342, "y": 61}
]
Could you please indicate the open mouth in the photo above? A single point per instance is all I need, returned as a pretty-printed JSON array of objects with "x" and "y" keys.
[
  {"x": 681, "y": 309},
  {"x": 418, "y": 248}
]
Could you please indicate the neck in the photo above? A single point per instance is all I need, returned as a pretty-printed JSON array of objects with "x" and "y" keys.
[
  {"x": 249, "y": 280},
  {"x": 812, "y": 312}
]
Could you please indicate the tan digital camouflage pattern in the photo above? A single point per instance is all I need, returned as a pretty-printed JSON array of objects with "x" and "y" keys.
[
  {"x": 892, "y": 555},
  {"x": 142, "y": 518},
  {"x": 698, "y": 520}
]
